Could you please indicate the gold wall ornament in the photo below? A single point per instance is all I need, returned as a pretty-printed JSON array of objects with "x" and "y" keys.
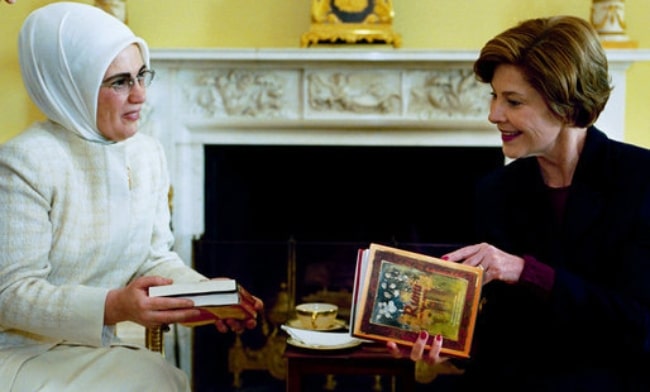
[
  {"x": 608, "y": 18},
  {"x": 116, "y": 8},
  {"x": 351, "y": 21}
]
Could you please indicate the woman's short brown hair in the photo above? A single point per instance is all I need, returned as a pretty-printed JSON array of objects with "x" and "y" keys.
[{"x": 561, "y": 57}]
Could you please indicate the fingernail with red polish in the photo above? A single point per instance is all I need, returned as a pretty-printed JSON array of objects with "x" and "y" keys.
[
  {"x": 445, "y": 257},
  {"x": 424, "y": 334},
  {"x": 438, "y": 337}
]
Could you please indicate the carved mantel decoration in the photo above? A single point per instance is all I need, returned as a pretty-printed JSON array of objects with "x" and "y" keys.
[
  {"x": 608, "y": 17},
  {"x": 351, "y": 21},
  {"x": 444, "y": 93}
]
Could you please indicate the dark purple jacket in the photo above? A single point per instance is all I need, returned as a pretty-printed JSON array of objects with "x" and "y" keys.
[{"x": 592, "y": 330}]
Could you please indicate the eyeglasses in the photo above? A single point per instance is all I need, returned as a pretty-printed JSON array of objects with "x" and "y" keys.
[{"x": 123, "y": 83}]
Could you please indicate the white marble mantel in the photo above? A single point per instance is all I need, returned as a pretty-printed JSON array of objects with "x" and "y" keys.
[{"x": 326, "y": 96}]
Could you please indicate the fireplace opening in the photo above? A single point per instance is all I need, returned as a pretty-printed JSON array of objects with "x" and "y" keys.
[
  {"x": 267, "y": 204},
  {"x": 316, "y": 193}
]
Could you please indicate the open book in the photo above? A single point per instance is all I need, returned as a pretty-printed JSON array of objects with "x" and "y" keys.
[
  {"x": 398, "y": 293},
  {"x": 215, "y": 298}
]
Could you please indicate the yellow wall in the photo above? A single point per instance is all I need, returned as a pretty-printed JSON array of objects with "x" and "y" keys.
[{"x": 435, "y": 24}]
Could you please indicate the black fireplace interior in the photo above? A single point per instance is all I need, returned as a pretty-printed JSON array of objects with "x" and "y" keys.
[{"x": 324, "y": 202}]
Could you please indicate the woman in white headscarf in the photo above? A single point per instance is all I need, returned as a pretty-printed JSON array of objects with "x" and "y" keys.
[{"x": 85, "y": 226}]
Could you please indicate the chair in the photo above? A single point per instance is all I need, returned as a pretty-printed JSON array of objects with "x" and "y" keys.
[
  {"x": 154, "y": 338},
  {"x": 151, "y": 338}
]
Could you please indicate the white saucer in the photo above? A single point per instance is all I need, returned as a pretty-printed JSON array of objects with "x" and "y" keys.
[
  {"x": 338, "y": 324},
  {"x": 298, "y": 343}
]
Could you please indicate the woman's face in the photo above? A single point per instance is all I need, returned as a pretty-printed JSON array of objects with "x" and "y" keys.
[
  {"x": 118, "y": 110},
  {"x": 527, "y": 126}
]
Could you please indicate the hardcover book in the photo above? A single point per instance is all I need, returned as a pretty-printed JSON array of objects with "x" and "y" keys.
[
  {"x": 203, "y": 287},
  {"x": 398, "y": 293},
  {"x": 216, "y": 298}
]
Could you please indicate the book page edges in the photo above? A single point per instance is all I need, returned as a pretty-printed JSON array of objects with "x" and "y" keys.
[{"x": 194, "y": 288}]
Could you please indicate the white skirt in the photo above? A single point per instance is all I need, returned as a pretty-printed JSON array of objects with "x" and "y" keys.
[{"x": 83, "y": 368}]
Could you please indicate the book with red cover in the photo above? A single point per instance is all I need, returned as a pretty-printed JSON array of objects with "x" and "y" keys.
[
  {"x": 216, "y": 298},
  {"x": 398, "y": 293}
]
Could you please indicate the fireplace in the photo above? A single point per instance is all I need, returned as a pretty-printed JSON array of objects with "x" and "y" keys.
[
  {"x": 382, "y": 123},
  {"x": 326, "y": 202},
  {"x": 321, "y": 203}
]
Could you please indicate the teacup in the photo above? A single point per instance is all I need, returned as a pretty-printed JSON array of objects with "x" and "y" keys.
[{"x": 316, "y": 315}]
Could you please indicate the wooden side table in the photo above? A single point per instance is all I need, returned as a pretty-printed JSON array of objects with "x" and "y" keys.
[{"x": 362, "y": 360}]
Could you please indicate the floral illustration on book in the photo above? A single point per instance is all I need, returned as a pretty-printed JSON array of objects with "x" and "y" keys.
[{"x": 414, "y": 300}]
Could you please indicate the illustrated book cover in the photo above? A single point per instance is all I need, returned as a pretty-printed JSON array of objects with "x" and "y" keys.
[
  {"x": 398, "y": 293},
  {"x": 215, "y": 298}
]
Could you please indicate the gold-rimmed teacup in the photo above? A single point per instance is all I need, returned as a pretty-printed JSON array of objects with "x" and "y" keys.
[{"x": 316, "y": 315}]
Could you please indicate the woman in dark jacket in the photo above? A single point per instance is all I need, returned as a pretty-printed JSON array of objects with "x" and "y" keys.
[{"x": 563, "y": 230}]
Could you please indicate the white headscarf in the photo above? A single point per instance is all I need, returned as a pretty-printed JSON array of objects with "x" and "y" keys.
[{"x": 65, "y": 49}]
